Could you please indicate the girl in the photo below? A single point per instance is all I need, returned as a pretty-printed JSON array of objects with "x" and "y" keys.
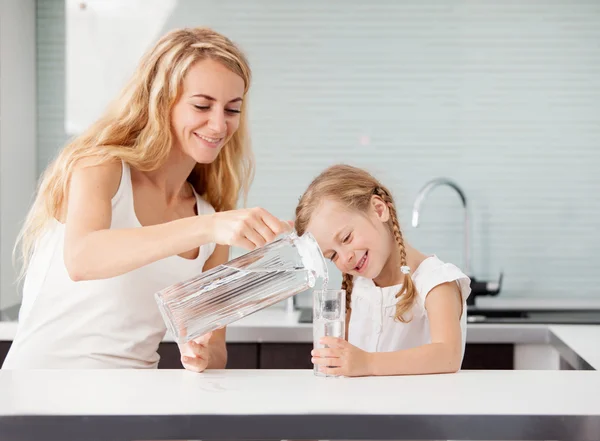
[
  {"x": 406, "y": 311},
  {"x": 143, "y": 199}
]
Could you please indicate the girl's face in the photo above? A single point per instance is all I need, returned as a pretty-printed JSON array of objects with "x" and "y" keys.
[
  {"x": 360, "y": 244},
  {"x": 207, "y": 113}
]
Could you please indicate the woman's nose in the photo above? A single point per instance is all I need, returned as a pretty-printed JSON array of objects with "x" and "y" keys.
[{"x": 217, "y": 122}]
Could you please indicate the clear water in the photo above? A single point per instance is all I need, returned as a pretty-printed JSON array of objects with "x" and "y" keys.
[
  {"x": 214, "y": 300},
  {"x": 326, "y": 328},
  {"x": 325, "y": 283}
]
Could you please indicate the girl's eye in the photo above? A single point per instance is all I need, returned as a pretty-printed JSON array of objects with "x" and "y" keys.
[
  {"x": 333, "y": 256},
  {"x": 346, "y": 239},
  {"x": 201, "y": 107},
  {"x": 233, "y": 111}
]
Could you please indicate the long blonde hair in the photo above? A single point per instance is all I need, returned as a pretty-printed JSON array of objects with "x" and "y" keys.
[
  {"x": 354, "y": 188},
  {"x": 136, "y": 128}
]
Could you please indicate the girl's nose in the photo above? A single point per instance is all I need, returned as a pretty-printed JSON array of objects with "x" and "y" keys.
[{"x": 349, "y": 259}]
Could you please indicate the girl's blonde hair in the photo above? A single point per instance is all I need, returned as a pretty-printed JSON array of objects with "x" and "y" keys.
[
  {"x": 136, "y": 128},
  {"x": 354, "y": 188}
]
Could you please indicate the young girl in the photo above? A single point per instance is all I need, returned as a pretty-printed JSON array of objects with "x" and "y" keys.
[
  {"x": 143, "y": 199},
  {"x": 406, "y": 312}
]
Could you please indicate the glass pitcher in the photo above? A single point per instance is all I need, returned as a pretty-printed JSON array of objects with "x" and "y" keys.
[{"x": 242, "y": 286}]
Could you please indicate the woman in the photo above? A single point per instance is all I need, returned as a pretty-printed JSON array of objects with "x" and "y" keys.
[{"x": 143, "y": 199}]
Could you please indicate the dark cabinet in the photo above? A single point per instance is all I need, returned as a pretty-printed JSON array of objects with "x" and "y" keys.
[
  {"x": 239, "y": 356},
  {"x": 249, "y": 356},
  {"x": 297, "y": 356},
  {"x": 488, "y": 356},
  {"x": 242, "y": 355},
  {"x": 4, "y": 347},
  {"x": 285, "y": 356}
]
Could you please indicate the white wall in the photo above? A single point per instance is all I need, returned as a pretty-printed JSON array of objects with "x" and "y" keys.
[
  {"x": 501, "y": 96},
  {"x": 17, "y": 131}
]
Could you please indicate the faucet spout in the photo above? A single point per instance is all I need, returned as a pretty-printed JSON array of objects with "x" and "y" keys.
[{"x": 422, "y": 195}]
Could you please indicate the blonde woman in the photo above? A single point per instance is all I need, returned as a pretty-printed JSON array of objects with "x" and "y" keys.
[{"x": 143, "y": 199}]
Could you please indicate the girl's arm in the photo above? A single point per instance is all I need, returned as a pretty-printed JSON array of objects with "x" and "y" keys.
[
  {"x": 94, "y": 251},
  {"x": 444, "y": 353}
]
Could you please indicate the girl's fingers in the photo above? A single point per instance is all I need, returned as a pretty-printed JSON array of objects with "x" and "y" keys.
[{"x": 330, "y": 362}]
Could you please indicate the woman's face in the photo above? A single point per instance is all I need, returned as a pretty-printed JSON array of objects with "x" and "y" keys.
[{"x": 207, "y": 113}]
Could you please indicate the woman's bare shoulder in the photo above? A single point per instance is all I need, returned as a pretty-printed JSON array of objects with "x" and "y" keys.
[{"x": 103, "y": 179}]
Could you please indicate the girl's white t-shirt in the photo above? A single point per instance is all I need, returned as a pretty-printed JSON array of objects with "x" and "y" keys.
[
  {"x": 107, "y": 323},
  {"x": 373, "y": 327}
]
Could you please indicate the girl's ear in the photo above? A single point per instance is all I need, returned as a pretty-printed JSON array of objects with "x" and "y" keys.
[{"x": 380, "y": 209}]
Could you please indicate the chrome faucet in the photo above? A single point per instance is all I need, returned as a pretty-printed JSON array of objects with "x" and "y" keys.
[{"x": 421, "y": 197}]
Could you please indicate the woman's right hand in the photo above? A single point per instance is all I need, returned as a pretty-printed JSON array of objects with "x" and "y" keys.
[{"x": 247, "y": 228}]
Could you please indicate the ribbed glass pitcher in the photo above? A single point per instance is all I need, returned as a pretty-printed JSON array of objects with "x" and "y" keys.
[{"x": 242, "y": 286}]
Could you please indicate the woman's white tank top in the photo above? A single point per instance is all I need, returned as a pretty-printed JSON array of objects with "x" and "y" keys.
[{"x": 109, "y": 323}]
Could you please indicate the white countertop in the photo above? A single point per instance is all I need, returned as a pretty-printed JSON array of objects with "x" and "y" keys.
[
  {"x": 582, "y": 340},
  {"x": 218, "y": 392},
  {"x": 290, "y": 404}
]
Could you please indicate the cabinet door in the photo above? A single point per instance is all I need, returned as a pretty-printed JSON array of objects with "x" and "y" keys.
[
  {"x": 242, "y": 355},
  {"x": 297, "y": 356},
  {"x": 285, "y": 356},
  {"x": 170, "y": 358},
  {"x": 239, "y": 356},
  {"x": 4, "y": 347},
  {"x": 488, "y": 356}
]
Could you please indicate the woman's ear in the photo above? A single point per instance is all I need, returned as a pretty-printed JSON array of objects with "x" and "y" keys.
[{"x": 380, "y": 209}]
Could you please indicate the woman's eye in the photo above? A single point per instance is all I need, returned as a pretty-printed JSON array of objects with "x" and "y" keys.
[
  {"x": 346, "y": 239},
  {"x": 333, "y": 256},
  {"x": 229, "y": 111}
]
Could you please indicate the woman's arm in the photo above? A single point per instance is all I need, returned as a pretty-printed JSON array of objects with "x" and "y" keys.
[
  {"x": 216, "y": 346},
  {"x": 444, "y": 353},
  {"x": 94, "y": 251},
  {"x": 208, "y": 351}
]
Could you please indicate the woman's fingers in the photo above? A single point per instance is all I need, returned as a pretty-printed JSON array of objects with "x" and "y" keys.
[
  {"x": 263, "y": 230},
  {"x": 277, "y": 226},
  {"x": 194, "y": 364},
  {"x": 253, "y": 236}
]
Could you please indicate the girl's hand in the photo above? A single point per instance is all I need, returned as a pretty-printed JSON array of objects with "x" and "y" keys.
[
  {"x": 341, "y": 358},
  {"x": 247, "y": 228},
  {"x": 195, "y": 354}
]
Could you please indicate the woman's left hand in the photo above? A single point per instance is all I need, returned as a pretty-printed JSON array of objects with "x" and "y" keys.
[
  {"x": 195, "y": 354},
  {"x": 341, "y": 358}
]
